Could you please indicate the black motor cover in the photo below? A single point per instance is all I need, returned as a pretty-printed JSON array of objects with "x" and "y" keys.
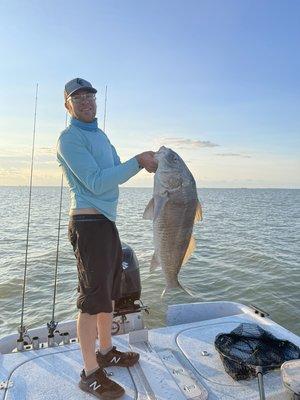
[{"x": 130, "y": 282}]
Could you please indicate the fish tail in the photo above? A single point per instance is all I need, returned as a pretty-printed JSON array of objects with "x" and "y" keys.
[
  {"x": 168, "y": 289},
  {"x": 186, "y": 290}
]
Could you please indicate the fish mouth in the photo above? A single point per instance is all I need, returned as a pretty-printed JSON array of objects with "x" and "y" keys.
[{"x": 160, "y": 153}]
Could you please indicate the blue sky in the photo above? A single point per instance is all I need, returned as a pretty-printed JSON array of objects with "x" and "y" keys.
[{"x": 218, "y": 81}]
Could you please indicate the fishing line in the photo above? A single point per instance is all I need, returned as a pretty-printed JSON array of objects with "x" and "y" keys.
[
  {"x": 22, "y": 328},
  {"x": 105, "y": 101},
  {"x": 52, "y": 324}
]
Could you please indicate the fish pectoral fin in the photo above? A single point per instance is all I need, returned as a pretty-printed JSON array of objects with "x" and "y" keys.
[
  {"x": 198, "y": 214},
  {"x": 154, "y": 263},
  {"x": 149, "y": 210},
  {"x": 160, "y": 202},
  {"x": 189, "y": 250}
]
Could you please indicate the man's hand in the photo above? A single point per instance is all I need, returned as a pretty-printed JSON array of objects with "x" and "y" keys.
[{"x": 147, "y": 161}]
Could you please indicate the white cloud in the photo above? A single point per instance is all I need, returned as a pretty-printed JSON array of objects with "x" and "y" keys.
[
  {"x": 46, "y": 150},
  {"x": 15, "y": 166},
  {"x": 233, "y": 155},
  {"x": 10, "y": 172},
  {"x": 25, "y": 152},
  {"x": 182, "y": 143}
]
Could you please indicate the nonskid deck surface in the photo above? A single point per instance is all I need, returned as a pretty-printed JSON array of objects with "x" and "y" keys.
[
  {"x": 53, "y": 374},
  {"x": 171, "y": 367}
]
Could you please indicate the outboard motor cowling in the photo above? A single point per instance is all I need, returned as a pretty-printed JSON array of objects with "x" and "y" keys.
[{"x": 130, "y": 282}]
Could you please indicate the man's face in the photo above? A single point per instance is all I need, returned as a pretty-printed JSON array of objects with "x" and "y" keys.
[{"x": 82, "y": 105}]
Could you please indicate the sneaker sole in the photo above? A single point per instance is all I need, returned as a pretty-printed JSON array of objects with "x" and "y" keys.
[{"x": 104, "y": 396}]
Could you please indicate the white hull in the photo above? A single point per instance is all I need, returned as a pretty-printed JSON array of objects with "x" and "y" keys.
[{"x": 171, "y": 367}]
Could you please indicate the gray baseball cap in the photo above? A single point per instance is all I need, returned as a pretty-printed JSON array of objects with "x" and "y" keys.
[{"x": 76, "y": 84}]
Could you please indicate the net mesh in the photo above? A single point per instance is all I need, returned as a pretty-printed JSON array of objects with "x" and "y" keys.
[{"x": 249, "y": 346}]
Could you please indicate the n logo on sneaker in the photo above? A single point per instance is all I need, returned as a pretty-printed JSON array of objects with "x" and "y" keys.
[
  {"x": 95, "y": 385},
  {"x": 115, "y": 359}
]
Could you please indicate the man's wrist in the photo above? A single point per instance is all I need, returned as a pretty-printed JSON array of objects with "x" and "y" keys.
[{"x": 137, "y": 159}]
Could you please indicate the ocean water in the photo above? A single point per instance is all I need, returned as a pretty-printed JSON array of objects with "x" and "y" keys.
[{"x": 248, "y": 250}]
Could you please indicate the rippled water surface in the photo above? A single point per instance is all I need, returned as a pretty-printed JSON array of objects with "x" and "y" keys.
[{"x": 247, "y": 251}]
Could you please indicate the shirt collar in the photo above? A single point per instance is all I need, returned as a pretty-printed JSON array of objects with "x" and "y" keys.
[{"x": 88, "y": 126}]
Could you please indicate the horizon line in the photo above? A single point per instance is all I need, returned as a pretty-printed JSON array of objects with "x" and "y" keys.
[{"x": 150, "y": 187}]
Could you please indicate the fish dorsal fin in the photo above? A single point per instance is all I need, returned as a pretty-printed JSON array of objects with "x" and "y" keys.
[
  {"x": 189, "y": 250},
  {"x": 198, "y": 214},
  {"x": 149, "y": 210},
  {"x": 154, "y": 263}
]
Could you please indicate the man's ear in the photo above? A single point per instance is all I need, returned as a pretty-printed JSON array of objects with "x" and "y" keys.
[{"x": 68, "y": 107}]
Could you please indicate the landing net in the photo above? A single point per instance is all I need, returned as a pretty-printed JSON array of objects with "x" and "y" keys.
[{"x": 249, "y": 346}]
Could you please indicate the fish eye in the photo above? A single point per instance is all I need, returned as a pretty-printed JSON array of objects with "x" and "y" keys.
[{"x": 173, "y": 157}]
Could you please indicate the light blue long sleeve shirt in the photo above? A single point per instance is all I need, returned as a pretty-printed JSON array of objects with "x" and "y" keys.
[{"x": 92, "y": 167}]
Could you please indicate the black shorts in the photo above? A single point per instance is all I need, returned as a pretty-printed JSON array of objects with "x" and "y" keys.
[{"x": 97, "y": 247}]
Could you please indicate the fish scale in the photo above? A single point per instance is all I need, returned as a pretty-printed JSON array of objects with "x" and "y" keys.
[
  {"x": 173, "y": 209},
  {"x": 168, "y": 253}
]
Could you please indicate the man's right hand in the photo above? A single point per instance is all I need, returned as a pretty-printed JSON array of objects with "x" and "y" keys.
[{"x": 147, "y": 161}]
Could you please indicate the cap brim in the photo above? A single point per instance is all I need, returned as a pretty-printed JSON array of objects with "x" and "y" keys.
[{"x": 92, "y": 90}]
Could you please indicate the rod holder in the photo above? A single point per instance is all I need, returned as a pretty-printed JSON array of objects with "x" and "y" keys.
[
  {"x": 51, "y": 341},
  {"x": 20, "y": 345},
  {"x": 66, "y": 338},
  {"x": 35, "y": 343}
]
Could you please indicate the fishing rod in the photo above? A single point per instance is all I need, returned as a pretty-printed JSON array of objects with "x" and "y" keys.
[
  {"x": 105, "y": 101},
  {"x": 52, "y": 325},
  {"x": 22, "y": 328}
]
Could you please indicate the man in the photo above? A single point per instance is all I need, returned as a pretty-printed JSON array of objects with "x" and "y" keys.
[{"x": 93, "y": 171}]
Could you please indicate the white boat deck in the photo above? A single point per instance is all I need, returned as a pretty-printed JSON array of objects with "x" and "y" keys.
[{"x": 171, "y": 367}]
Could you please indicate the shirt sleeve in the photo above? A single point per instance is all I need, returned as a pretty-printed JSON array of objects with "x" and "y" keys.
[
  {"x": 117, "y": 160},
  {"x": 83, "y": 165}
]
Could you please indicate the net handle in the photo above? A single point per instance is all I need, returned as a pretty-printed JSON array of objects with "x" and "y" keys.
[{"x": 261, "y": 387}]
